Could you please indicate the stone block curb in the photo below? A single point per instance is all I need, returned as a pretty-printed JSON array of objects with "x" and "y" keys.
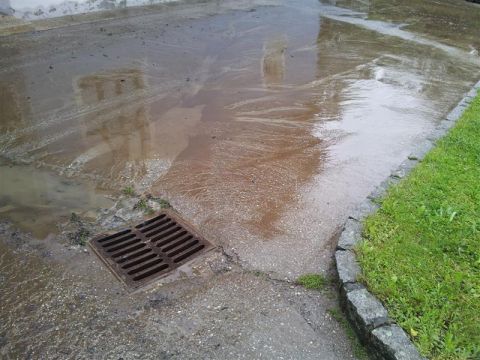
[
  {"x": 367, "y": 315},
  {"x": 347, "y": 266},
  {"x": 366, "y": 311},
  {"x": 365, "y": 208},
  {"x": 394, "y": 343},
  {"x": 351, "y": 235}
]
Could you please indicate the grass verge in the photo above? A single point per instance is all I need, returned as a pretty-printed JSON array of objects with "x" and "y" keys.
[{"x": 421, "y": 254}]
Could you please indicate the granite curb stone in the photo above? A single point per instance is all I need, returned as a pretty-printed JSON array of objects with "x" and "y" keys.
[
  {"x": 380, "y": 191},
  {"x": 394, "y": 343},
  {"x": 365, "y": 208},
  {"x": 366, "y": 310},
  {"x": 421, "y": 150},
  {"x": 351, "y": 235},
  {"x": 404, "y": 169},
  {"x": 347, "y": 266}
]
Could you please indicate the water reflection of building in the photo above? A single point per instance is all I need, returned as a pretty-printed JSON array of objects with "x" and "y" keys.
[
  {"x": 10, "y": 109},
  {"x": 15, "y": 95},
  {"x": 273, "y": 61},
  {"x": 116, "y": 137},
  {"x": 98, "y": 87},
  {"x": 331, "y": 59}
]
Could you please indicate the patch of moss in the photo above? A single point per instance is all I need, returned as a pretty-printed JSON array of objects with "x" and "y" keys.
[
  {"x": 312, "y": 281},
  {"x": 129, "y": 191}
]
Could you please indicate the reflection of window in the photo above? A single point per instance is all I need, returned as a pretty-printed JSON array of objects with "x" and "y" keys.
[
  {"x": 99, "y": 87},
  {"x": 10, "y": 112},
  {"x": 273, "y": 63}
]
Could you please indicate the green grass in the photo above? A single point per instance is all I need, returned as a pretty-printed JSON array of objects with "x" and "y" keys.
[
  {"x": 421, "y": 254},
  {"x": 128, "y": 191},
  {"x": 164, "y": 204},
  {"x": 74, "y": 218},
  {"x": 82, "y": 236},
  {"x": 312, "y": 281},
  {"x": 142, "y": 204}
]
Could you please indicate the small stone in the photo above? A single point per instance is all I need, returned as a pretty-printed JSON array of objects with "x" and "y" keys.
[
  {"x": 3, "y": 341},
  {"x": 455, "y": 114},
  {"x": 351, "y": 235},
  {"x": 347, "y": 266},
  {"x": 421, "y": 150},
  {"x": 404, "y": 169},
  {"x": 398, "y": 174}
]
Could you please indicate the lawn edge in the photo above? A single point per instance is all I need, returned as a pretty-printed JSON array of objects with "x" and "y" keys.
[{"x": 369, "y": 318}]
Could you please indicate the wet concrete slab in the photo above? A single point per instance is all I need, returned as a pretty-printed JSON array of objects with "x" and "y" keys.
[
  {"x": 74, "y": 310},
  {"x": 262, "y": 123}
]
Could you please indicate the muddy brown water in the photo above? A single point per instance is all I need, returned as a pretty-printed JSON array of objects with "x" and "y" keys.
[{"x": 264, "y": 126}]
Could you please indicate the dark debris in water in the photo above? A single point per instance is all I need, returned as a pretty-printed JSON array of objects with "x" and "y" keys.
[
  {"x": 80, "y": 234},
  {"x": 3, "y": 341},
  {"x": 80, "y": 237},
  {"x": 159, "y": 301}
]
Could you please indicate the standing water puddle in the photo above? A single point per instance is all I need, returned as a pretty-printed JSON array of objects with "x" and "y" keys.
[{"x": 37, "y": 199}]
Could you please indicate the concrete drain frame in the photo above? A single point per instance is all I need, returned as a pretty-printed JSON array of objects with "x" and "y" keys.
[{"x": 151, "y": 250}]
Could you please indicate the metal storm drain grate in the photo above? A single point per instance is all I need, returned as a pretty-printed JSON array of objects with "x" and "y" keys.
[{"x": 150, "y": 250}]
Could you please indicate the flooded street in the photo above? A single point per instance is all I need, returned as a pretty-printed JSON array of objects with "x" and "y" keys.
[{"x": 264, "y": 123}]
